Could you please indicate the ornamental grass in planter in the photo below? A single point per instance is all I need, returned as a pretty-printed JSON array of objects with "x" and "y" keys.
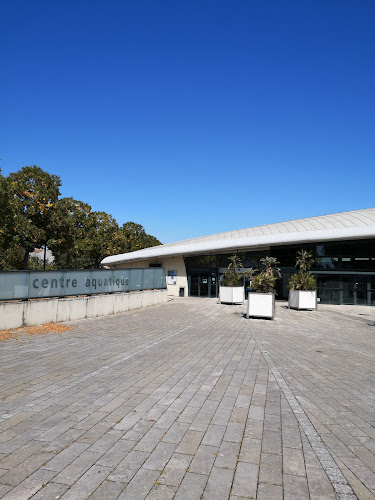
[
  {"x": 302, "y": 285},
  {"x": 231, "y": 289},
  {"x": 261, "y": 303}
]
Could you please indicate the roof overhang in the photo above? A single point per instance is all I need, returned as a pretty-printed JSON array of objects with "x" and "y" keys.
[{"x": 244, "y": 243}]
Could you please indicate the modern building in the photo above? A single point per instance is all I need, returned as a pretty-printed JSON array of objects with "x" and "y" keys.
[{"x": 342, "y": 244}]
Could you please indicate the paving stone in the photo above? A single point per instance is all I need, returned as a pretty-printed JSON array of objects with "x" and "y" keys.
[
  {"x": 214, "y": 435},
  {"x": 160, "y": 456},
  {"x": 291, "y": 437},
  {"x": 162, "y": 492},
  {"x": 105, "y": 442},
  {"x": 175, "y": 469},
  {"x": 320, "y": 487},
  {"x": 190, "y": 381},
  {"x": 127, "y": 468},
  {"x": 190, "y": 442},
  {"x": 108, "y": 490},
  {"x": 140, "y": 485},
  {"x": 77, "y": 468},
  {"x": 117, "y": 453},
  {"x": 26, "y": 468},
  {"x": 250, "y": 451},
  {"x": 13, "y": 459},
  {"x": 51, "y": 491},
  {"x": 245, "y": 480},
  {"x": 203, "y": 459},
  {"x": 192, "y": 487},
  {"x": 219, "y": 484},
  {"x": 293, "y": 462},
  {"x": 175, "y": 432},
  {"x": 295, "y": 488},
  {"x": 87, "y": 483},
  {"x": 65, "y": 457},
  {"x": 227, "y": 455},
  {"x": 271, "y": 442},
  {"x": 271, "y": 469},
  {"x": 254, "y": 429},
  {"x": 269, "y": 492},
  {"x": 28, "y": 487}
]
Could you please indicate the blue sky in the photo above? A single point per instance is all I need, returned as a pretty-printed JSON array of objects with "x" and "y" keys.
[{"x": 193, "y": 117}]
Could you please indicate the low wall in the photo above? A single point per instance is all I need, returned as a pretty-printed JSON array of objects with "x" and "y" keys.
[{"x": 38, "y": 312}]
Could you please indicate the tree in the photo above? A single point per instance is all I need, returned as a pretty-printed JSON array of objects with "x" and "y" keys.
[
  {"x": 70, "y": 222},
  {"x": 104, "y": 239},
  {"x": 7, "y": 215},
  {"x": 35, "y": 194},
  {"x": 136, "y": 238}
]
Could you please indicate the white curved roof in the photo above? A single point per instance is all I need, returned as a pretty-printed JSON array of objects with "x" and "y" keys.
[{"x": 342, "y": 226}]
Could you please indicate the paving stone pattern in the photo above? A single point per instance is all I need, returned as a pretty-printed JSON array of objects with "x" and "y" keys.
[{"x": 180, "y": 401}]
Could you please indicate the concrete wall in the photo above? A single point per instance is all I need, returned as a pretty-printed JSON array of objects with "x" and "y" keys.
[
  {"x": 39, "y": 312},
  {"x": 169, "y": 264}
]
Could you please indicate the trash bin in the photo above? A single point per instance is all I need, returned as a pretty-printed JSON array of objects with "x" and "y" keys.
[{"x": 182, "y": 292}]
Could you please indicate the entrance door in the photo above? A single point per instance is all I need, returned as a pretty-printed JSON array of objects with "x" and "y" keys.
[
  {"x": 356, "y": 291},
  {"x": 203, "y": 285}
]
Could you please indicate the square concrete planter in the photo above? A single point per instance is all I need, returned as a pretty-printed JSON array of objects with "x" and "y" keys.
[
  {"x": 302, "y": 299},
  {"x": 232, "y": 294},
  {"x": 261, "y": 305}
]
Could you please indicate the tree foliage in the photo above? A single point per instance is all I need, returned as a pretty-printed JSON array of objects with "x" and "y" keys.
[
  {"x": 33, "y": 216},
  {"x": 34, "y": 197},
  {"x": 135, "y": 238}
]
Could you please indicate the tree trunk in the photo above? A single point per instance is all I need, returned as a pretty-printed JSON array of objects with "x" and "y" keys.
[
  {"x": 25, "y": 259},
  {"x": 44, "y": 257}
]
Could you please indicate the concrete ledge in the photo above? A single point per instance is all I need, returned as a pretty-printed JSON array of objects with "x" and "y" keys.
[{"x": 38, "y": 312}]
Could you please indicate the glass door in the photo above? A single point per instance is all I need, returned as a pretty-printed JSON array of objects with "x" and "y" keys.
[
  {"x": 357, "y": 290},
  {"x": 203, "y": 285}
]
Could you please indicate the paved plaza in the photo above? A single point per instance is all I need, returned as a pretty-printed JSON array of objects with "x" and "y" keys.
[{"x": 189, "y": 400}]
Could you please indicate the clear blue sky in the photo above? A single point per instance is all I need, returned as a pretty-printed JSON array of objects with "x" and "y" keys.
[{"x": 193, "y": 117}]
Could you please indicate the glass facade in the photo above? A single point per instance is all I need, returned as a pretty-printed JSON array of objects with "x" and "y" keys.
[{"x": 344, "y": 270}]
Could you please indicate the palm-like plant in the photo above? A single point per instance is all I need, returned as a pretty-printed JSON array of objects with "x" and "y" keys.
[
  {"x": 231, "y": 276},
  {"x": 303, "y": 280},
  {"x": 265, "y": 281},
  {"x": 304, "y": 260}
]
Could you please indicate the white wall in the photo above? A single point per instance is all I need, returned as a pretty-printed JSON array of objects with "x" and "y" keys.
[
  {"x": 39, "y": 312},
  {"x": 169, "y": 264}
]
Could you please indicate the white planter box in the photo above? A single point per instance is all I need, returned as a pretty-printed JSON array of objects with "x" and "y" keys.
[
  {"x": 302, "y": 299},
  {"x": 232, "y": 294},
  {"x": 261, "y": 305}
]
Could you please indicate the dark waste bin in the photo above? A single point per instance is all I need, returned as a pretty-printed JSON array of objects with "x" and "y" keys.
[{"x": 182, "y": 292}]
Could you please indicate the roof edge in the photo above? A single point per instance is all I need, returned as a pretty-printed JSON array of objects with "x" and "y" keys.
[{"x": 249, "y": 242}]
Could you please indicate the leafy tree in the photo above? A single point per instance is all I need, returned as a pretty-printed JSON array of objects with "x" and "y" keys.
[
  {"x": 136, "y": 238},
  {"x": 35, "y": 194},
  {"x": 105, "y": 238},
  {"x": 33, "y": 216},
  {"x": 11, "y": 258},
  {"x": 71, "y": 222},
  {"x": 7, "y": 215}
]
